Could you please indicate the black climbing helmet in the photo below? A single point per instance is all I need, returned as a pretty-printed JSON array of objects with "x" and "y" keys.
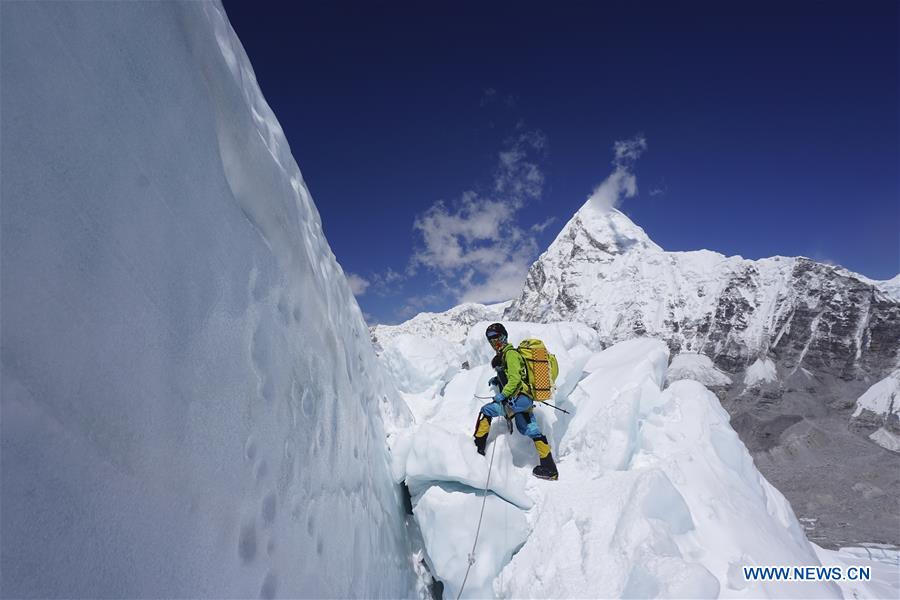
[{"x": 496, "y": 330}]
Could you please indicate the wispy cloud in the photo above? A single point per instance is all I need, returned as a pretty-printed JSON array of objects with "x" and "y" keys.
[
  {"x": 475, "y": 246},
  {"x": 621, "y": 183},
  {"x": 628, "y": 151},
  {"x": 386, "y": 282},
  {"x": 358, "y": 284},
  {"x": 821, "y": 257},
  {"x": 488, "y": 96},
  {"x": 540, "y": 227},
  {"x": 491, "y": 95}
]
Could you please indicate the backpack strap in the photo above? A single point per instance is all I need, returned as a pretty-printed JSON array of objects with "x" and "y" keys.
[{"x": 523, "y": 370}]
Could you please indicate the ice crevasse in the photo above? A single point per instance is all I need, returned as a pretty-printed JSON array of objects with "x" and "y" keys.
[{"x": 657, "y": 496}]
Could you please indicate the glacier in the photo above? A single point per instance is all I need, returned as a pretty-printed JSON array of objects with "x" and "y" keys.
[
  {"x": 657, "y": 495},
  {"x": 191, "y": 406}
]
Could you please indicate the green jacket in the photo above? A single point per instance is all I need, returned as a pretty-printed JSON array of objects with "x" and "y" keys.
[{"x": 516, "y": 375}]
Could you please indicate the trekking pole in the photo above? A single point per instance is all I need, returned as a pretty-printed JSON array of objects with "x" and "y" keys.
[
  {"x": 556, "y": 407},
  {"x": 541, "y": 401}
]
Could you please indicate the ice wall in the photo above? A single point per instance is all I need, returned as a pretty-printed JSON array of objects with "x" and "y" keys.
[{"x": 191, "y": 406}]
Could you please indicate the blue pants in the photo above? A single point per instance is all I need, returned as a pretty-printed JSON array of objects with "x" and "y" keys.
[{"x": 523, "y": 407}]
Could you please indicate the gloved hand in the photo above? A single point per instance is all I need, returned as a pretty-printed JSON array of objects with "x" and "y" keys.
[
  {"x": 499, "y": 397},
  {"x": 493, "y": 381}
]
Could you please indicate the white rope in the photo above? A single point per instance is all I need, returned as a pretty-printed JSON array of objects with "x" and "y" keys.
[
  {"x": 505, "y": 540},
  {"x": 480, "y": 517}
]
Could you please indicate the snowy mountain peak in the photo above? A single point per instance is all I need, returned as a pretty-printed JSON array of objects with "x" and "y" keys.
[
  {"x": 603, "y": 270},
  {"x": 596, "y": 231}
]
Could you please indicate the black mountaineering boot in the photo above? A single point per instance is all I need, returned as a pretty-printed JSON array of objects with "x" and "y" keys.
[
  {"x": 547, "y": 469},
  {"x": 480, "y": 444},
  {"x": 482, "y": 429}
]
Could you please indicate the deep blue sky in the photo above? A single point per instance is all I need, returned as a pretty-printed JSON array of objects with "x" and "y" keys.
[{"x": 771, "y": 128}]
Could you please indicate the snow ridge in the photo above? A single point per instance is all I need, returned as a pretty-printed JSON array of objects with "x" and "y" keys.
[{"x": 452, "y": 324}]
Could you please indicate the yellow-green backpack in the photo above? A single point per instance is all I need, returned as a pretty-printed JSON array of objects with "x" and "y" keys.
[{"x": 541, "y": 368}]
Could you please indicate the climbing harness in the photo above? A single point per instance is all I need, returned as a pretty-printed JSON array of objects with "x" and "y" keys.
[
  {"x": 509, "y": 418},
  {"x": 538, "y": 403},
  {"x": 480, "y": 517}
]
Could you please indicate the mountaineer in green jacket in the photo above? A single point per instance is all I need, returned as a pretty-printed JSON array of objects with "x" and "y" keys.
[{"x": 514, "y": 400}]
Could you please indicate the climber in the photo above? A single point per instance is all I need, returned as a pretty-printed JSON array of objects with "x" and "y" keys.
[{"x": 513, "y": 400}]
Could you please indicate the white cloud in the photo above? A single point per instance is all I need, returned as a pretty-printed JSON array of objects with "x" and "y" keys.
[
  {"x": 475, "y": 246},
  {"x": 358, "y": 285},
  {"x": 628, "y": 151},
  {"x": 621, "y": 183},
  {"x": 504, "y": 283}
]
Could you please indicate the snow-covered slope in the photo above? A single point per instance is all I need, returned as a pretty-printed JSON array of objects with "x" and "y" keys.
[
  {"x": 452, "y": 325},
  {"x": 603, "y": 270},
  {"x": 191, "y": 406},
  {"x": 891, "y": 287},
  {"x": 879, "y": 408},
  {"x": 657, "y": 496},
  {"x": 690, "y": 365},
  {"x": 761, "y": 371}
]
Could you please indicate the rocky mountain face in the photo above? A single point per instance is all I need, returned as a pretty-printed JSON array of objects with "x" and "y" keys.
[
  {"x": 604, "y": 271},
  {"x": 822, "y": 334}
]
